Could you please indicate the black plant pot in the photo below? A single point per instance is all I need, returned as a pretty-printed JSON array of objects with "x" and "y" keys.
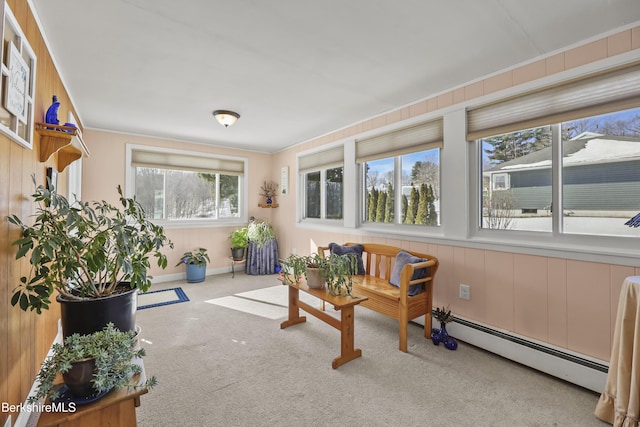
[
  {"x": 92, "y": 315},
  {"x": 78, "y": 378},
  {"x": 237, "y": 254}
]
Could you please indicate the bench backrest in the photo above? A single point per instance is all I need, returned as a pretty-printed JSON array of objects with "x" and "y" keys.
[{"x": 379, "y": 259}]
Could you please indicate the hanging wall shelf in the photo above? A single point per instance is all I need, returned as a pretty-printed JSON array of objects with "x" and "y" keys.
[{"x": 63, "y": 140}]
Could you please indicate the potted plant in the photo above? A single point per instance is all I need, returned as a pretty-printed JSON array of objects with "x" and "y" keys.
[
  {"x": 260, "y": 232},
  {"x": 239, "y": 239},
  {"x": 269, "y": 190},
  {"x": 95, "y": 256},
  {"x": 196, "y": 263},
  {"x": 91, "y": 365},
  {"x": 335, "y": 270}
]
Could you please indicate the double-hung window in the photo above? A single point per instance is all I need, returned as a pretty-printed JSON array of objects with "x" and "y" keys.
[
  {"x": 401, "y": 175},
  {"x": 321, "y": 174},
  {"x": 563, "y": 159},
  {"x": 187, "y": 187}
]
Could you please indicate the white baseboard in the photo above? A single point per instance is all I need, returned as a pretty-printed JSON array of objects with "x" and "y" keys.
[
  {"x": 183, "y": 276},
  {"x": 573, "y": 367}
]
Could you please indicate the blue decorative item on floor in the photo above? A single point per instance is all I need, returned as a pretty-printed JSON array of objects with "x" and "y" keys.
[
  {"x": 52, "y": 113},
  {"x": 442, "y": 336}
]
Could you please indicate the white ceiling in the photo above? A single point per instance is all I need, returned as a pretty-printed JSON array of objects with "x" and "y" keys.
[{"x": 293, "y": 69}]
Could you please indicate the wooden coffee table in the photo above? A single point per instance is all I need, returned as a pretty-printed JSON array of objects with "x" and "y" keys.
[{"x": 345, "y": 324}]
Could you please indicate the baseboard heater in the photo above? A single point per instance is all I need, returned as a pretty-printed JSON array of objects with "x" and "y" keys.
[{"x": 573, "y": 367}]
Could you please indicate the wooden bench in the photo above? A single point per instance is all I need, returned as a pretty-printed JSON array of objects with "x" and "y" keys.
[{"x": 387, "y": 299}]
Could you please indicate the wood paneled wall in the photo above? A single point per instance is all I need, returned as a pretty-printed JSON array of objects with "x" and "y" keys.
[{"x": 25, "y": 338}]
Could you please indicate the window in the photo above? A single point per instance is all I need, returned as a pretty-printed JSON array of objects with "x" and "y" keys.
[
  {"x": 18, "y": 72},
  {"x": 177, "y": 186},
  {"x": 322, "y": 176},
  {"x": 417, "y": 189},
  {"x": 401, "y": 175},
  {"x": 576, "y": 170}
]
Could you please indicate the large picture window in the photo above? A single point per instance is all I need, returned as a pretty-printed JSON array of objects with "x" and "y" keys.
[
  {"x": 182, "y": 186},
  {"x": 576, "y": 171}
]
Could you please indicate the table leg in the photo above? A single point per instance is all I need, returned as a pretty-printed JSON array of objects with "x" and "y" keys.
[
  {"x": 347, "y": 350},
  {"x": 294, "y": 311}
]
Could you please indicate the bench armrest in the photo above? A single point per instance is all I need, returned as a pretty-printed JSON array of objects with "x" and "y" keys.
[{"x": 407, "y": 274}]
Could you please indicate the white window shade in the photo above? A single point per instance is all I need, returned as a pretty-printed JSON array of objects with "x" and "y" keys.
[
  {"x": 325, "y": 159},
  {"x": 419, "y": 137},
  {"x": 187, "y": 162},
  {"x": 602, "y": 93}
]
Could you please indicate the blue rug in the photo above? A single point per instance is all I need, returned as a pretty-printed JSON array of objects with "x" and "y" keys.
[{"x": 161, "y": 297}]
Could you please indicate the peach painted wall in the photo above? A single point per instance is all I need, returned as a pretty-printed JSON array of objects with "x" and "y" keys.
[
  {"x": 104, "y": 170},
  {"x": 567, "y": 303}
]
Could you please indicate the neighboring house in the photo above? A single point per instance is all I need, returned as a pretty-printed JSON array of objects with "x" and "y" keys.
[{"x": 599, "y": 174}]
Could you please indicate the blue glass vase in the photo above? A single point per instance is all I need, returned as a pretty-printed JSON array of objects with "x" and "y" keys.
[{"x": 442, "y": 336}]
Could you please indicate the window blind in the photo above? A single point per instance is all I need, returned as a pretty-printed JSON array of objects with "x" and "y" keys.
[
  {"x": 602, "y": 93},
  {"x": 326, "y": 159},
  {"x": 419, "y": 137},
  {"x": 187, "y": 162}
]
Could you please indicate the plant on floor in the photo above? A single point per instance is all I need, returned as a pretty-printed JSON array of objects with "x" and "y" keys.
[
  {"x": 84, "y": 251},
  {"x": 114, "y": 353},
  {"x": 199, "y": 258}
]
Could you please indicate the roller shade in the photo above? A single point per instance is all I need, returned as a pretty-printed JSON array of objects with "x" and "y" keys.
[
  {"x": 187, "y": 162},
  {"x": 325, "y": 159},
  {"x": 593, "y": 95},
  {"x": 419, "y": 137}
]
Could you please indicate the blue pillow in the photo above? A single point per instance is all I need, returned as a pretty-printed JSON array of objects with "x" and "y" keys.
[
  {"x": 349, "y": 250},
  {"x": 403, "y": 258}
]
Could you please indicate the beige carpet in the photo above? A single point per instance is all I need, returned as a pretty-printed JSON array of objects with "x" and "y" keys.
[
  {"x": 270, "y": 302},
  {"x": 221, "y": 366}
]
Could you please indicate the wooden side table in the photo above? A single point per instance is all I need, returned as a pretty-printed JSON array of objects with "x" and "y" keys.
[
  {"x": 117, "y": 408},
  {"x": 345, "y": 324}
]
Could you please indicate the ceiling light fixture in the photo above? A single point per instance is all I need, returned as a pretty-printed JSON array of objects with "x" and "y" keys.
[{"x": 225, "y": 117}]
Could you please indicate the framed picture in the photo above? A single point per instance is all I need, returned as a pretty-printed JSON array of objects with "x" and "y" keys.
[{"x": 17, "y": 85}]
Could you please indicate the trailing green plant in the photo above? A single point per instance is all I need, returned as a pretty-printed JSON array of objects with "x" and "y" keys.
[
  {"x": 114, "y": 352},
  {"x": 199, "y": 258},
  {"x": 260, "y": 232},
  {"x": 337, "y": 270},
  {"x": 84, "y": 250},
  {"x": 239, "y": 238}
]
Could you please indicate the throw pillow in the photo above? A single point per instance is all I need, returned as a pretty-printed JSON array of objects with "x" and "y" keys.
[
  {"x": 403, "y": 258},
  {"x": 346, "y": 250}
]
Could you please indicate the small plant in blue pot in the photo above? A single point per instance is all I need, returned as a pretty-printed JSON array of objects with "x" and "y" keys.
[{"x": 196, "y": 263}]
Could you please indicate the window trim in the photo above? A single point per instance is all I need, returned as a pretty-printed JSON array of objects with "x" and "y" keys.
[{"x": 192, "y": 223}]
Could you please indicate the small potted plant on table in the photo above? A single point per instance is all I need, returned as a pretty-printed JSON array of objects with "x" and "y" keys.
[
  {"x": 196, "y": 264},
  {"x": 335, "y": 270}
]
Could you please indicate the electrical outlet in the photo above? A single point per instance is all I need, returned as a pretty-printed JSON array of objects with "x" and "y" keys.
[
  {"x": 465, "y": 292},
  {"x": 293, "y": 251}
]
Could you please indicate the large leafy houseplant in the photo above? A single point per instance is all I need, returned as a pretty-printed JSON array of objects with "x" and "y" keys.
[
  {"x": 85, "y": 250},
  {"x": 113, "y": 353},
  {"x": 337, "y": 270}
]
